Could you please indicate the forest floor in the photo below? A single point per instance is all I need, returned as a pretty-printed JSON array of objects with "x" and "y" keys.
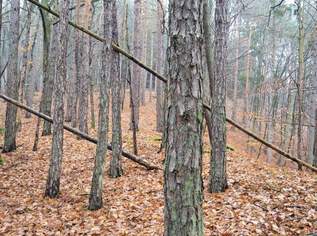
[{"x": 262, "y": 199}]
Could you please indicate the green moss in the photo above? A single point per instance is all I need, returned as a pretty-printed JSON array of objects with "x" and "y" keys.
[
  {"x": 2, "y": 131},
  {"x": 1, "y": 161}
]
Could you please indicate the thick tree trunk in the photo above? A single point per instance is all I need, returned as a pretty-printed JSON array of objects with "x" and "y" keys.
[
  {"x": 54, "y": 173},
  {"x": 183, "y": 190},
  {"x": 95, "y": 198},
  {"x": 116, "y": 142},
  {"x": 12, "y": 79},
  {"x": 218, "y": 171}
]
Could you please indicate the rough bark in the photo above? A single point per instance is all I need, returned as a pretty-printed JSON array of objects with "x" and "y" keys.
[
  {"x": 116, "y": 142},
  {"x": 12, "y": 78},
  {"x": 183, "y": 190},
  {"x": 54, "y": 173},
  {"x": 218, "y": 175},
  {"x": 95, "y": 199}
]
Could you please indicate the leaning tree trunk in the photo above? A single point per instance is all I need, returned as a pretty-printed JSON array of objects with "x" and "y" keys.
[
  {"x": 95, "y": 198},
  {"x": 12, "y": 78},
  {"x": 54, "y": 173},
  {"x": 218, "y": 171},
  {"x": 116, "y": 142},
  {"x": 183, "y": 190}
]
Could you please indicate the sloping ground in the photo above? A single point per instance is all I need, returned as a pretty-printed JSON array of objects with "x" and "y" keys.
[{"x": 261, "y": 199}]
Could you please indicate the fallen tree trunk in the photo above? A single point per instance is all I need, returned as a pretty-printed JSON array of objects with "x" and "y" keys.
[
  {"x": 162, "y": 78},
  {"x": 272, "y": 146},
  {"x": 131, "y": 157}
]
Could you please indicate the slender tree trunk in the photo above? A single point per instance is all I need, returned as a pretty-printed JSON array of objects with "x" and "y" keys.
[
  {"x": 54, "y": 173},
  {"x": 95, "y": 198},
  {"x": 301, "y": 77},
  {"x": 0, "y": 33},
  {"x": 183, "y": 190},
  {"x": 218, "y": 171},
  {"x": 137, "y": 50},
  {"x": 48, "y": 80},
  {"x": 26, "y": 51},
  {"x": 29, "y": 86},
  {"x": 12, "y": 79},
  {"x": 116, "y": 142},
  {"x": 236, "y": 73},
  {"x": 314, "y": 84},
  {"x": 246, "y": 115},
  {"x": 83, "y": 70},
  {"x": 315, "y": 142},
  {"x": 159, "y": 60}
]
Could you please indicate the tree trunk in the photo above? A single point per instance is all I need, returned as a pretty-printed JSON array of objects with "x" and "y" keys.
[
  {"x": 301, "y": 77},
  {"x": 115, "y": 163},
  {"x": 54, "y": 173},
  {"x": 29, "y": 85},
  {"x": 246, "y": 115},
  {"x": 137, "y": 50},
  {"x": 236, "y": 73},
  {"x": 218, "y": 171},
  {"x": 183, "y": 190},
  {"x": 12, "y": 79},
  {"x": 83, "y": 70},
  {"x": 26, "y": 50},
  {"x": 159, "y": 64},
  {"x": 95, "y": 198},
  {"x": 314, "y": 84},
  {"x": 48, "y": 80}
]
